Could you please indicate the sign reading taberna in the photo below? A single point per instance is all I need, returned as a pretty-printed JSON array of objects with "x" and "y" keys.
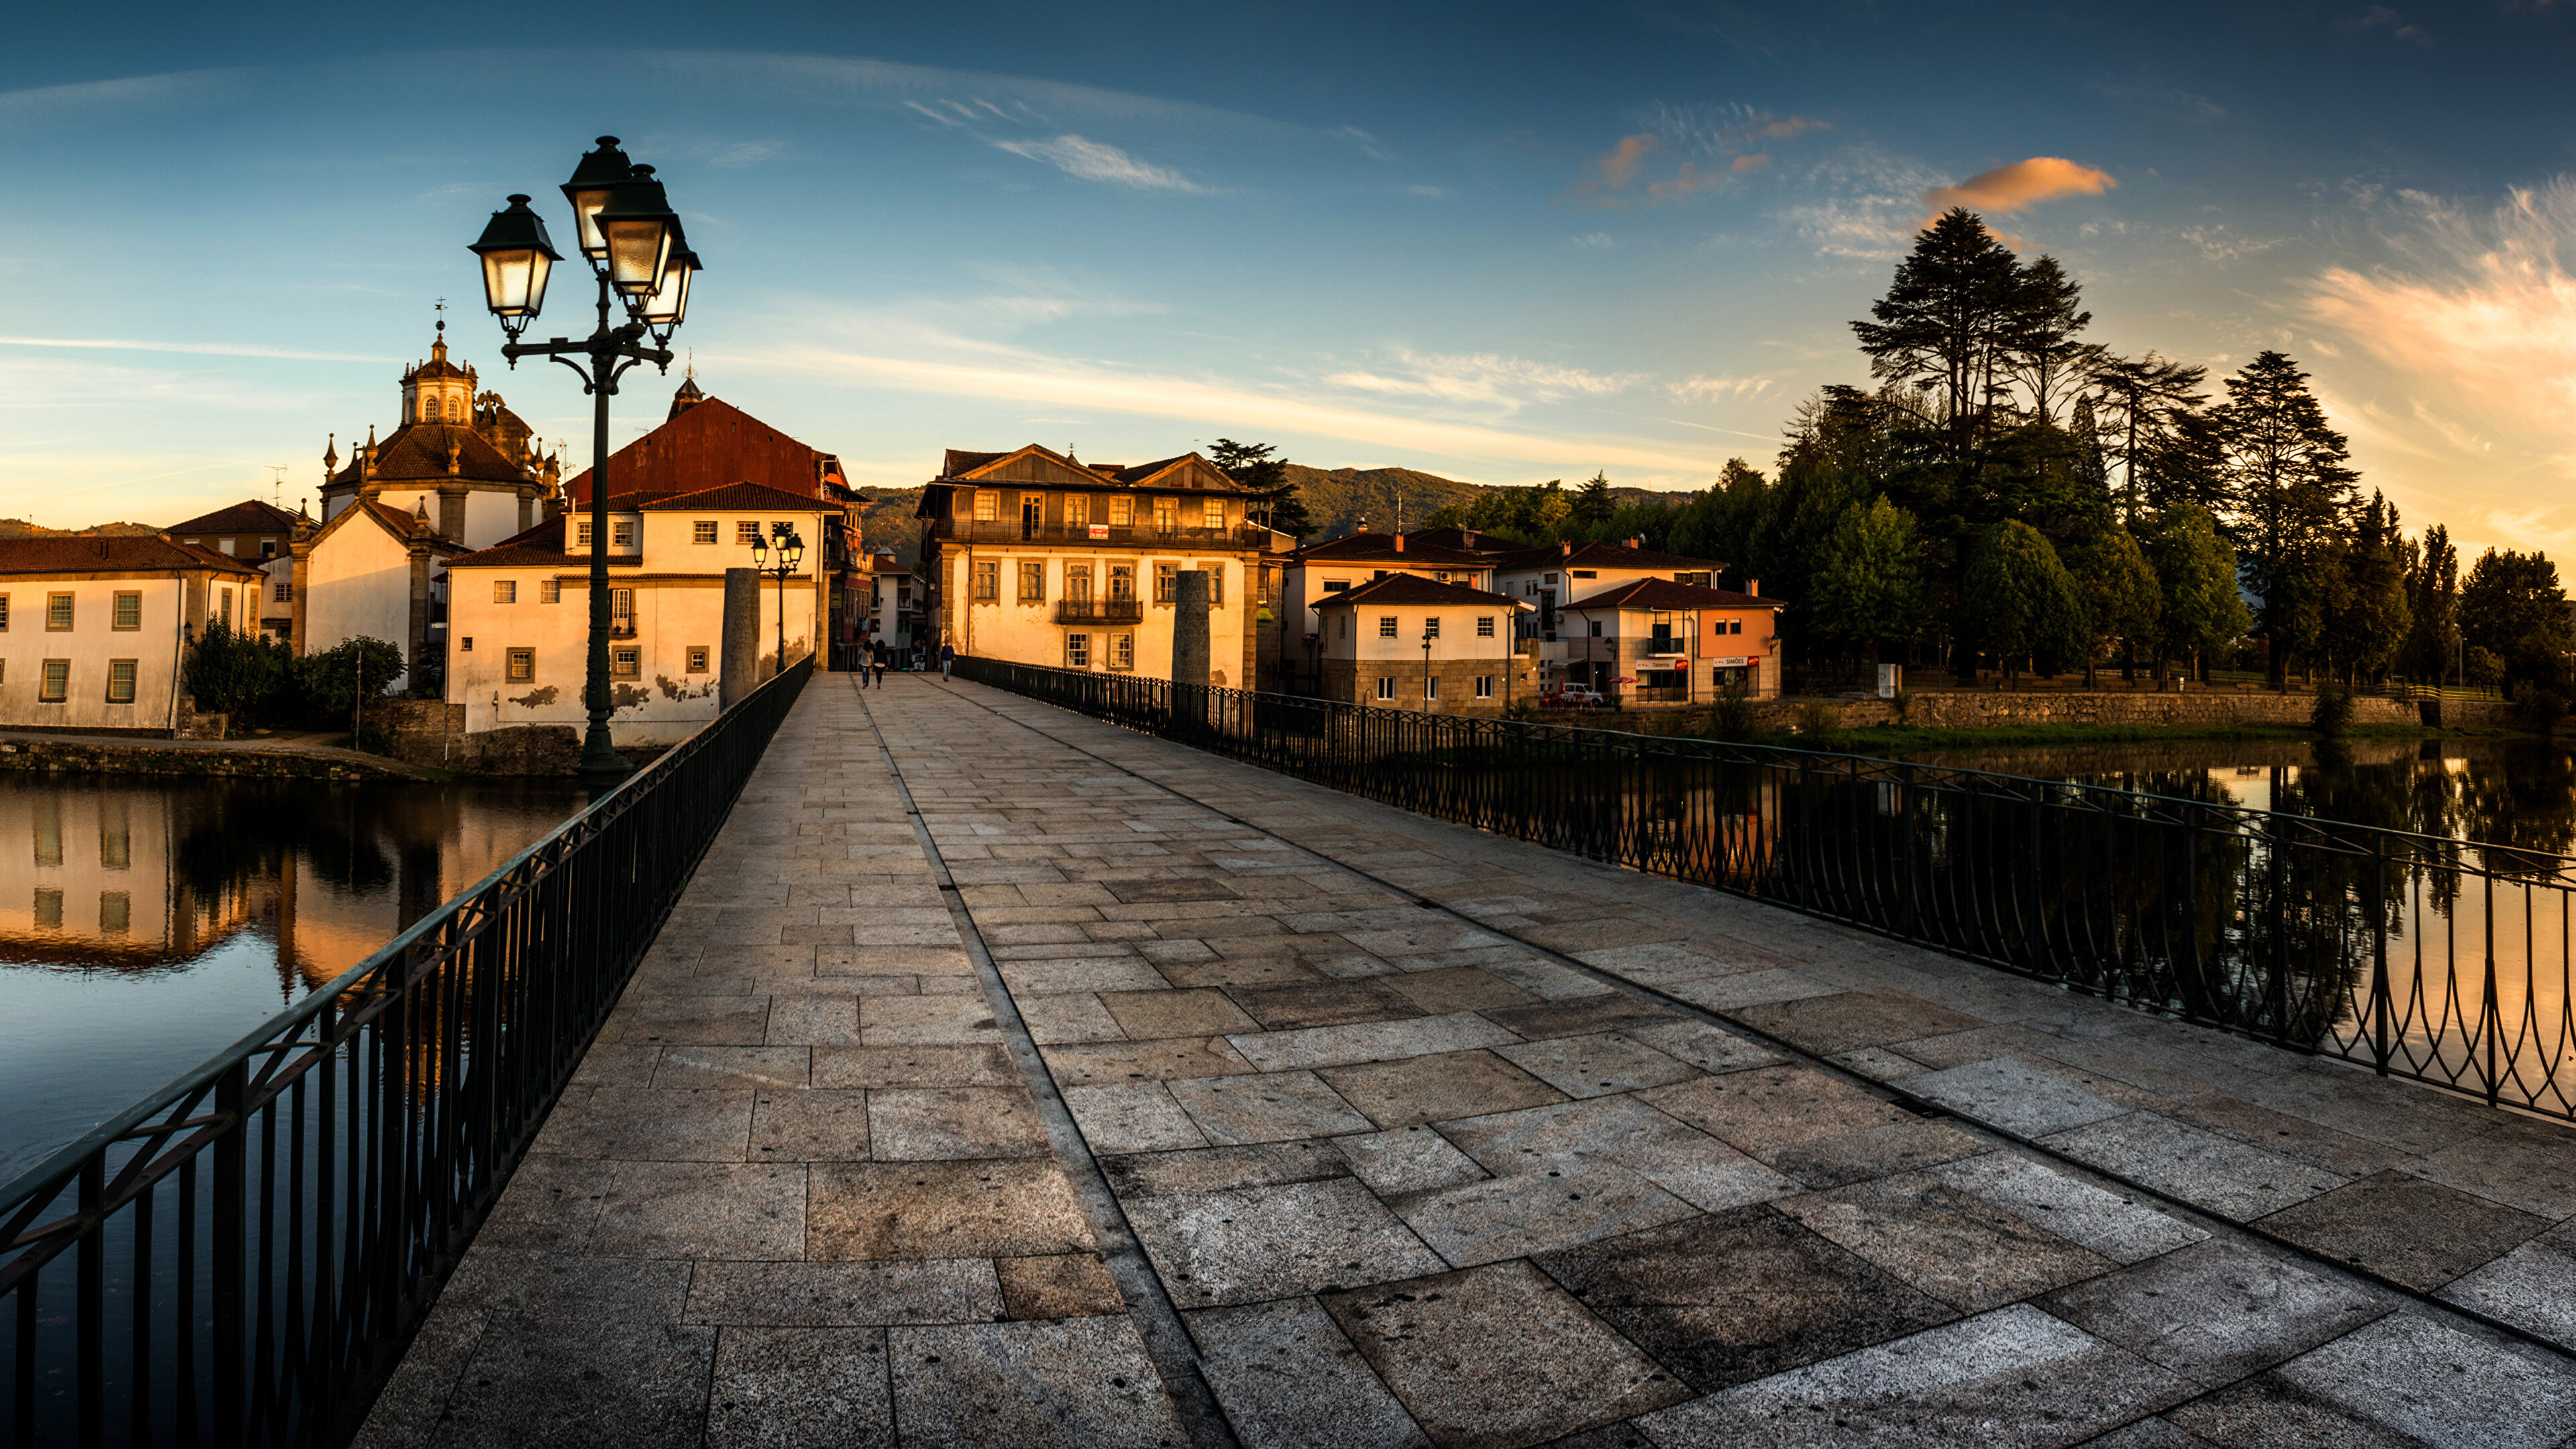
[{"x": 1738, "y": 663}]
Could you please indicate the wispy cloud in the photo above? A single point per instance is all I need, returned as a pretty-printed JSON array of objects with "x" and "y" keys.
[
  {"x": 1510, "y": 383},
  {"x": 1089, "y": 160},
  {"x": 2474, "y": 323},
  {"x": 2167, "y": 100},
  {"x": 2381, "y": 20},
  {"x": 1717, "y": 389},
  {"x": 2220, "y": 244},
  {"x": 209, "y": 349},
  {"x": 1683, "y": 150},
  {"x": 40, "y": 104}
]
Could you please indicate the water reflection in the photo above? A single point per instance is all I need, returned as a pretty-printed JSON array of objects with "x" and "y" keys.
[{"x": 146, "y": 923}]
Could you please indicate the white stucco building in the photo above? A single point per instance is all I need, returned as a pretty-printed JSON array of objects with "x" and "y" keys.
[
  {"x": 93, "y": 628},
  {"x": 519, "y": 612},
  {"x": 1406, "y": 642},
  {"x": 256, "y": 533}
]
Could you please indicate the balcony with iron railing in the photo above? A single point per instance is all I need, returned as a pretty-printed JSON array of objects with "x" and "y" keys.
[
  {"x": 1143, "y": 535},
  {"x": 1100, "y": 611}
]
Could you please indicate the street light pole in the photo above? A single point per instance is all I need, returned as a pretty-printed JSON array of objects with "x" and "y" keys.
[
  {"x": 1430, "y": 631},
  {"x": 791, "y": 552},
  {"x": 637, "y": 251}
]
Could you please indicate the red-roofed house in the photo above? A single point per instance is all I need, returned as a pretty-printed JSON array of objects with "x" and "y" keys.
[
  {"x": 257, "y": 533},
  {"x": 519, "y": 611},
  {"x": 1402, "y": 641},
  {"x": 92, "y": 628},
  {"x": 1654, "y": 641}
]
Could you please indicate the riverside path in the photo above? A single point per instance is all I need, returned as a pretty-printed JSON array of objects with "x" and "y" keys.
[{"x": 1007, "y": 1078}]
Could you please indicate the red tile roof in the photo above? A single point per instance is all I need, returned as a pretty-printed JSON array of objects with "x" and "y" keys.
[
  {"x": 1607, "y": 556},
  {"x": 538, "y": 547},
  {"x": 248, "y": 516},
  {"x": 1665, "y": 594},
  {"x": 417, "y": 452},
  {"x": 730, "y": 498},
  {"x": 1380, "y": 548},
  {"x": 1415, "y": 591},
  {"x": 147, "y": 553}
]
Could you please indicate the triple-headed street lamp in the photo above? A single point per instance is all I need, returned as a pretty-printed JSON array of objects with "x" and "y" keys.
[
  {"x": 791, "y": 552},
  {"x": 635, "y": 248}
]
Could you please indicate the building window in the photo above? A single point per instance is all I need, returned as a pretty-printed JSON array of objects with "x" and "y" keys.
[
  {"x": 1386, "y": 686},
  {"x": 1431, "y": 686},
  {"x": 115, "y": 912},
  {"x": 1386, "y": 626},
  {"x": 1431, "y": 627},
  {"x": 1342, "y": 626},
  {"x": 1337, "y": 586},
  {"x": 1596, "y": 627},
  {"x": 267, "y": 549},
  {"x": 988, "y": 505},
  {"x": 1216, "y": 583},
  {"x": 699, "y": 654},
  {"x": 621, "y": 534},
  {"x": 621, "y": 611},
  {"x": 1077, "y": 651},
  {"x": 1212, "y": 513},
  {"x": 1077, "y": 510},
  {"x": 120, "y": 681},
  {"x": 1584, "y": 574},
  {"x": 626, "y": 663},
  {"x": 703, "y": 531},
  {"x": 1484, "y": 686},
  {"x": 224, "y": 606},
  {"x": 1122, "y": 511},
  {"x": 469, "y": 644},
  {"x": 581, "y": 535},
  {"x": 4, "y": 612},
  {"x": 746, "y": 531},
  {"x": 550, "y": 592},
  {"x": 1033, "y": 582},
  {"x": 1550, "y": 580},
  {"x": 1122, "y": 583},
  {"x": 1077, "y": 583},
  {"x": 58, "y": 612},
  {"x": 1122, "y": 653},
  {"x": 129, "y": 612},
  {"x": 57, "y": 684},
  {"x": 1167, "y": 515},
  {"x": 988, "y": 580},
  {"x": 522, "y": 666},
  {"x": 1167, "y": 582},
  {"x": 1484, "y": 626},
  {"x": 284, "y": 592},
  {"x": 505, "y": 591},
  {"x": 49, "y": 909},
  {"x": 225, "y": 545}
]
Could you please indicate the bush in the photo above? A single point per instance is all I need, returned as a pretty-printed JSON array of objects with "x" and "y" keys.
[
  {"x": 337, "y": 680},
  {"x": 2545, "y": 708},
  {"x": 1902, "y": 702},
  {"x": 2333, "y": 715},
  {"x": 1820, "y": 720},
  {"x": 1734, "y": 717},
  {"x": 246, "y": 676}
]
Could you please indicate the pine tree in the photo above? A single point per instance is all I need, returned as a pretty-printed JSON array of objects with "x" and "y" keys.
[
  {"x": 2289, "y": 494},
  {"x": 1948, "y": 326},
  {"x": 2145, "y": 397},
  {"x": 1253, "y": 466},
  {"x": 2368, "y": 617},
  {"x": 1593, "y": 504},
  {"x": 2433, "y": 608},
  {"x": 2512, "y": 607}
]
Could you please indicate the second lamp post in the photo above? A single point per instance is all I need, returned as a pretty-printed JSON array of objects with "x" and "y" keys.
[
  {"x": 635, "y": 247},
  {"x": 791, "y": 552}
]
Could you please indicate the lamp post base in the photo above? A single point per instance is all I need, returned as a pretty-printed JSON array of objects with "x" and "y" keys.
[{"x": 598, "y": 757}]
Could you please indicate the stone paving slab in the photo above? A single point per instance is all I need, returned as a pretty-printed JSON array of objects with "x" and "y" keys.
[{"x": 1431, "y": 1138}]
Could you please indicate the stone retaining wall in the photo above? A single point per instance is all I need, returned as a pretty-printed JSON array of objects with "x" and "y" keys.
[
  {"x": 105, "y": 758},
  {"x": 1975, "y": 709}
]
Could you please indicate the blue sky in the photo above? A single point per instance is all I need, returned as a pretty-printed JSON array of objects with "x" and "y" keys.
[{"x": 1504, "y": 242}]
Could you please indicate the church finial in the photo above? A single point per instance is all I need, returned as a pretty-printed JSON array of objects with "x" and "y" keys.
[
  {"x": 438, "y": 346},
  {"x": 330, "y": 457}
]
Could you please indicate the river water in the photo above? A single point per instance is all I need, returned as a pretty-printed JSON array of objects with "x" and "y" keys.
[{"x": 147, "y": 923}]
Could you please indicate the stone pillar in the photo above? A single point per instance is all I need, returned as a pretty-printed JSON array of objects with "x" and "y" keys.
[
  {"x": 740, "y": 664},
  {"x": 451, "y": 514},
  {"x": 1190, "y": 646}
]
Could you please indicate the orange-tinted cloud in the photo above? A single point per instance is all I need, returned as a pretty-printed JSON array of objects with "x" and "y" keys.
[
  {"x": 1617, "y": 169},
  {"x": 2018, "y": 187},
  {"x": 1754, "y": 162}
]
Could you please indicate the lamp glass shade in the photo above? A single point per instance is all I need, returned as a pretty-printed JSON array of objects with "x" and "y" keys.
[
  {"x": 598, "y": 175},
  {"x": 669, "y": 304},
  {"x": 639, "y": 229},
  {"x": 792, "y": 552},
  {"x": 517, "y": 258},
  {"x": 759, "y": 549}
]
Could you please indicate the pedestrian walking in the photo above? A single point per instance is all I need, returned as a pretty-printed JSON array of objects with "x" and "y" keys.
[
  {"x": 880, "y": 667},
  {"x": 866, "y": 651},
  {"x": 947, "y": 659}
]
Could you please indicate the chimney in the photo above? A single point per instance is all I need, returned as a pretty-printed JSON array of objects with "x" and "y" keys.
[
  {"x": 1565, "y": 548},
  {"x": 1399, "y": 543},
  {"x": 1470, "y": 535},
  {"x": 1637, "y": 540},
  {"x": 1753, "y": 588}
]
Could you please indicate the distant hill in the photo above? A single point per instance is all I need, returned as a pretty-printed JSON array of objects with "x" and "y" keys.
[
  {"x": 1338, "y": 499},
  {"x": 21, "y": 528}
]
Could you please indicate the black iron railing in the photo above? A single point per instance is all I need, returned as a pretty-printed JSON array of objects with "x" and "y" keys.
[
  {"x": 240, "y": 1258},
  {"x": 2421, "y": 956}
]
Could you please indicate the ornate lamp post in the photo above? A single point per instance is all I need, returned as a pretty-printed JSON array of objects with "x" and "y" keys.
[
  {"x": 636, "y": 250},
  {"x": 1430, "y": 631},
  {"x": 791, "y": 552}
]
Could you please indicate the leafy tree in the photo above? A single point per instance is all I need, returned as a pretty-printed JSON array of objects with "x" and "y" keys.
[
  {"x": 1593, "y": 504},
  {"x": 2289, "y": 494},
  {"x": 2513, "y": 608},
  {"x": 1723, "y": 522},
  {"x": 2122, "y": 598},
  {"x": 243, "y": 675},
  {"x": 352, "y": 672},
  {"x": 2195, "y": 570},
  {"x": 1253, "y": 466},
  {"x": 2367, "y": 615},
  {"x": 1865, "y": 593},
  {"x": 2021, "y": 598},
  {"x": 1805, "y": 508},
  {"x": 1949, "y": 326}
]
